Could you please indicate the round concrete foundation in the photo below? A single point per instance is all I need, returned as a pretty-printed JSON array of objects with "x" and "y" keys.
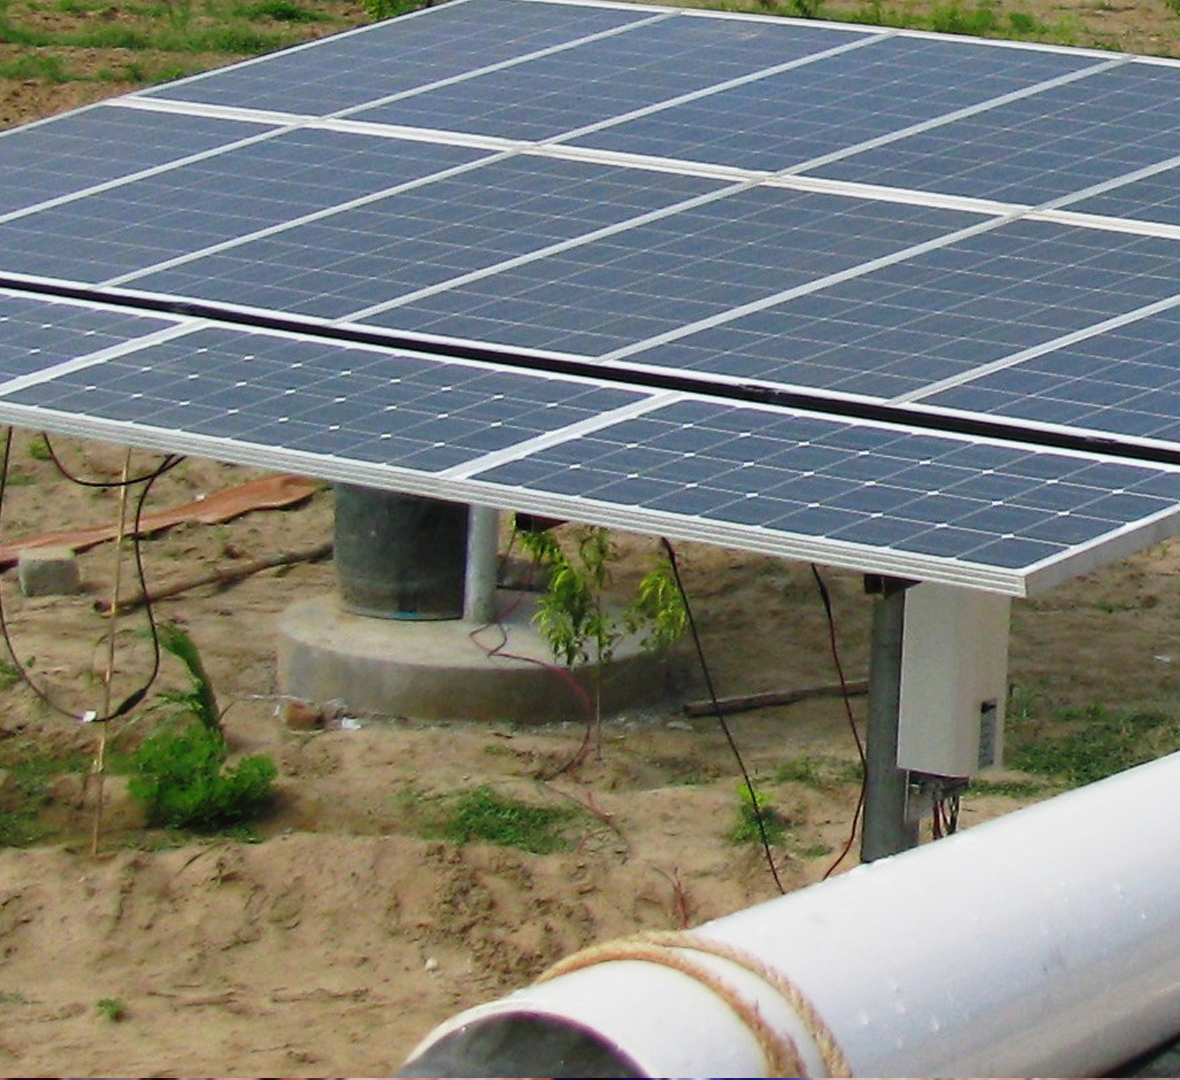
[{"x": 435, "y": 671}]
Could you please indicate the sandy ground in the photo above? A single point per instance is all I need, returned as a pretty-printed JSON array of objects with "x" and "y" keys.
[{"x": 335, "y": 943}]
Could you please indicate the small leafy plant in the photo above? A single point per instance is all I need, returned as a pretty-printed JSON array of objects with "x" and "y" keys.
[
  {"x": 182, "y": 780},
  {"x": 751, "y": 807},
  {"x": 573, "y": 615},
  {"x": 114, "y": 1009},
  {"x": 180, "y": 775}
]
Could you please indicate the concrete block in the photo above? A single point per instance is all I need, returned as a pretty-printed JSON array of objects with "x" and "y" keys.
[{"x": 49, "y": 571}]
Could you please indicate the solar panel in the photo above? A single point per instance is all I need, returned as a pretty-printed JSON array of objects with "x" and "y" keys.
[
  {"x": 101, "y": 144},
  {"x": 298, "y": 395},
  {"x": 400, "y": 55},
  {"x": 1124, "y": 382},
  {"x": 1039, "y": 147},
  {"x": 939, "y": 314},
  {"x": 655, "y": 278},
  {"x": 953, "y": 508},
  {"x": 343, "y": 263},
  {"x": 811, "y": 111},
  {"x": 761, "y": 472},
  {"x": 130, "y": 227},
  {"x": 610, "y": 77},
  {"x": 605, "y": 228},
  {"x": 37, "y": 336}
]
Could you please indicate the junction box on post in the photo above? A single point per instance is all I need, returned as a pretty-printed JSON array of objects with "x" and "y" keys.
[{"x": 954, "y": 680}]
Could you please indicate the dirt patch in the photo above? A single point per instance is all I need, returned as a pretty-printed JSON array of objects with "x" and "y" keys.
[{"x": 333, "y": 944}]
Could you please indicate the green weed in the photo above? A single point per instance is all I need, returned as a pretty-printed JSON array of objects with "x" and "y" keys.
[
  {"x": 38, "y": 448},
  {"x": 481, "y": 814},
  {"x": 814, "y": 851},
  {"x": 9, "y": 674},
  {"x": 114, "y": 1009},
  {"x": 199, "y": 700},
  {"x": 12, "y": 997},
  {"x": 751, "y": 806},
  {"x": 182, "y": 781}
]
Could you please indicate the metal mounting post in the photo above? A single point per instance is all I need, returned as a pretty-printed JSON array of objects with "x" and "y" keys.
[
  {"x": 483, "y": 537},
  {"x": 886, "y": 830}
]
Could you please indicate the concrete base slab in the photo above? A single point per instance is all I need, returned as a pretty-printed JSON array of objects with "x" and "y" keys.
[{"x": 436, "y": 671}]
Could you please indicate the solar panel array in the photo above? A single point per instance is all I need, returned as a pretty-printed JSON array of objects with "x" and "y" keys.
[{"x": 633, "y": 223}]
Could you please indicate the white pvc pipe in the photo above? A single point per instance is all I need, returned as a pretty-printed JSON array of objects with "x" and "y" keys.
[
  {"x": 1043, "y": 943},
  {"x": 483, "y": 537}
]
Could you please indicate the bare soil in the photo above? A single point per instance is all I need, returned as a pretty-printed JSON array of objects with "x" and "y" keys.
[{"x": 335, "y": 942}]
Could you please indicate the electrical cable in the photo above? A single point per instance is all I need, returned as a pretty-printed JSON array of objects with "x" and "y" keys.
[
  {"x": 136, "y": 696},
  {"x": 131, "y": 481},
  {"x": 833, "y": 640},
  {"x": 696, "y": 638}
]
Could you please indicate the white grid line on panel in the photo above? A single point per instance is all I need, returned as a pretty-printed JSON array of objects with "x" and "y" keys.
[
  {"x": 80, "y": 363},
  {"x": 561, "y": 435},
  {"x": 716, "y": 88},
  {"x": 958, "y": 114},
  {"x": 212, "y": 112},
  {"x": 143, "y": 174},
  {"x": 1133, "y": 226},
  {"x": 306, "y": 219},
  {"x": 503, "y": 64},
  {"x": 541, "y": 253},
  {"x": 1063, "y": 342},
  {"x": 411, "y": 134}
]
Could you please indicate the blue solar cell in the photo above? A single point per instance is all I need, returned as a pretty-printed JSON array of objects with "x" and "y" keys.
[
  {"x": 663, "y": 275},
  {"x": 296, "y": 394},
  {"x": 36, "y": 334},
  {"x": 135, "y": 225},
  {"x": 939, "y": 314},
  {"x": 1124, "y": 382},
  {"x": 543, "y": 98},
  {"x": 95, "y": 146},
  {"x": 341, "y": 264},
  {"x": 1152, "y": 199},
  {"x": 1040, "y": 147},
  {"x": 917, "y": 499},
  {"x": 788, "y": 119},
  {"x": 398, "y": 55}
]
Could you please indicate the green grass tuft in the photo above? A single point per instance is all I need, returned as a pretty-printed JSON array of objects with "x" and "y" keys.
[
  {"x": 751, "y": 806},
  {"x": 481, "y": 814},
  {"x": 1097, "y": 745}
]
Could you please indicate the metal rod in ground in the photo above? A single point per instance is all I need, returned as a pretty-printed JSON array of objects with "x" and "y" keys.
[
  {"x": 885, "y": 831},
  {"x": 483, "y": 539}
]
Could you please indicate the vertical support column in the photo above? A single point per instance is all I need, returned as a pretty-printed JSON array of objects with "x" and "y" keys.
[
  {"x": 885, "y": 831},
  {"x": 483, "y": 538}
]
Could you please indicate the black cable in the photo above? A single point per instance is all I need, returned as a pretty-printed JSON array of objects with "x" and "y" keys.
[
  {"x": 131, "y": 481},
  {"x": 136, "y": 696},
  {"x": 833, "y": 640},
  {"x": 696, "y": 638}
]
